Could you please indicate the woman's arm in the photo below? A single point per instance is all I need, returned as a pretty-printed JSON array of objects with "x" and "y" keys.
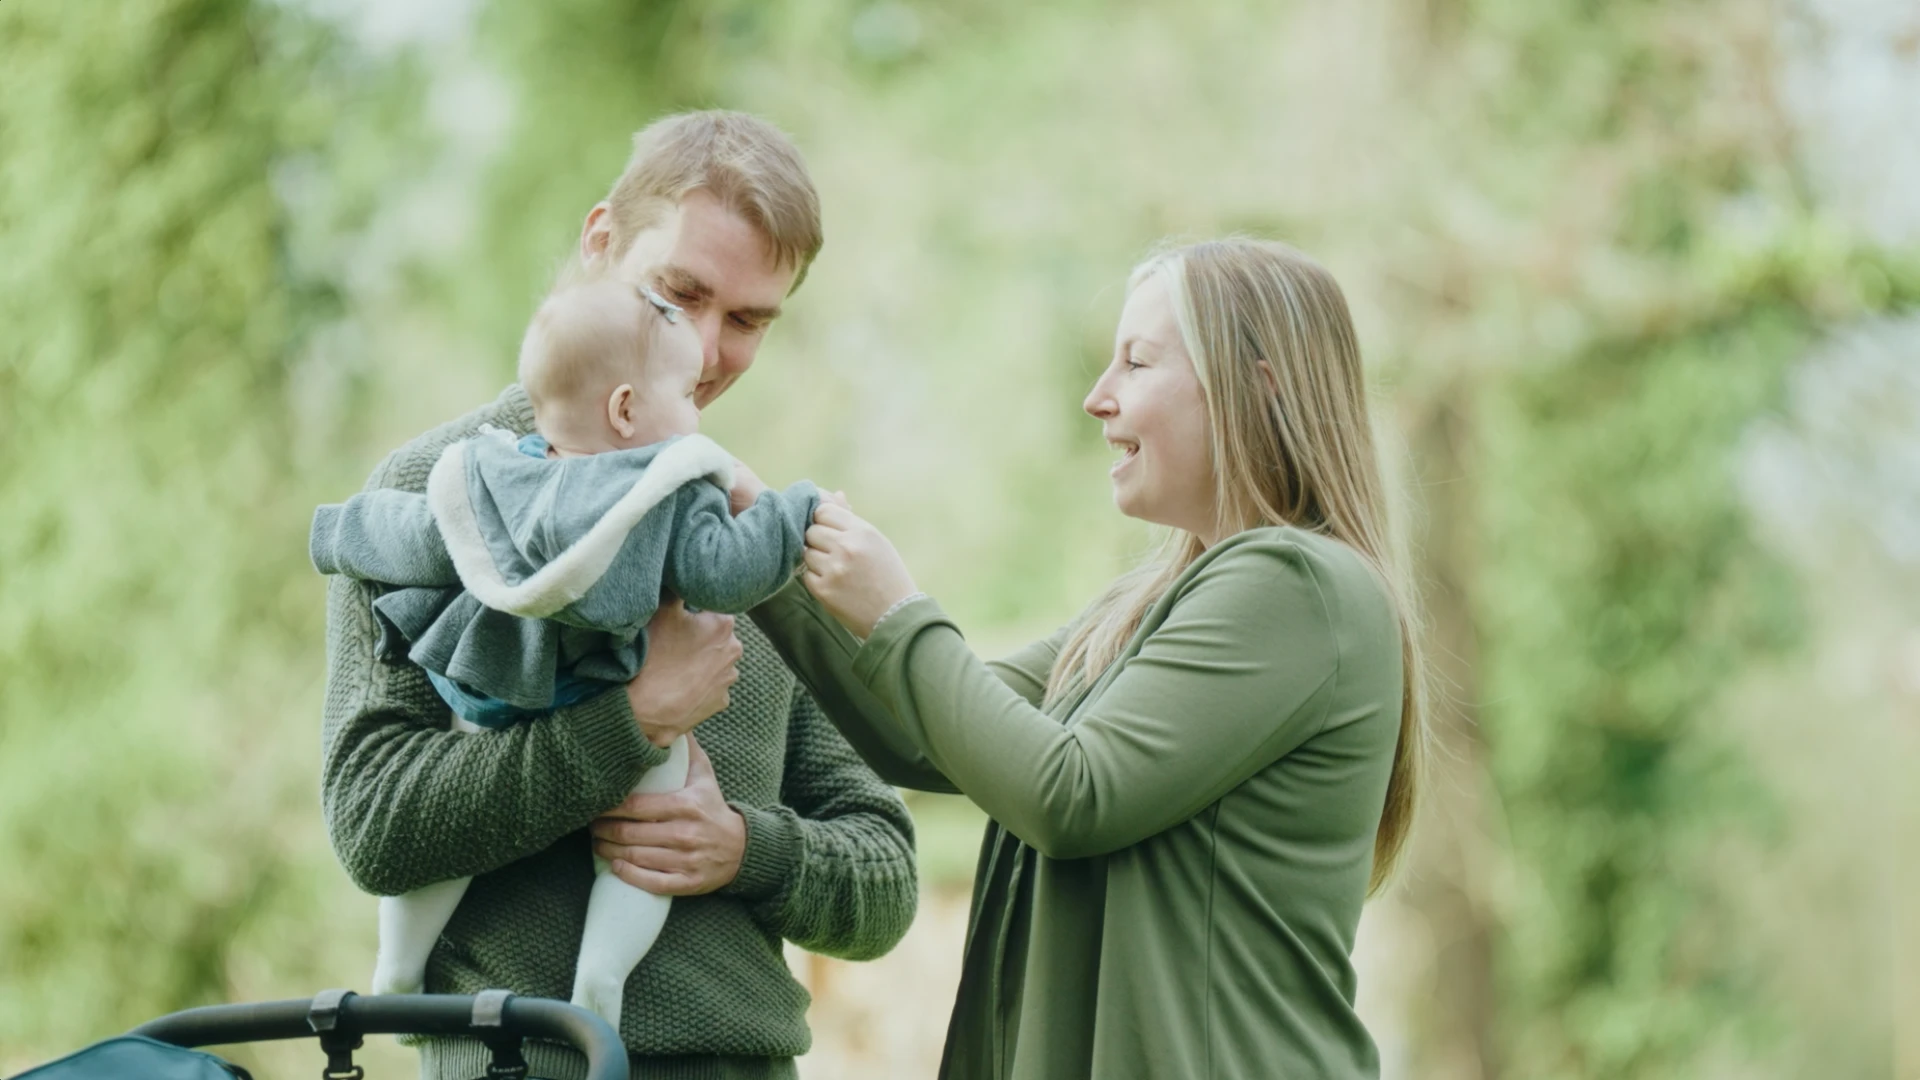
[
  {"x": 821, "y": 652},
  {"x": 1237, "y": 674},
  {"x": 1026, "y": 669}
]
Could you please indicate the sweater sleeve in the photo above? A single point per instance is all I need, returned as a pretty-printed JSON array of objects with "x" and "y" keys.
[
  {"x": 408, "y": 801},
  {"x": 1238, "y": 674},
  {"x": 727, "y": 563},
  {"x": 381, "y": 535},
  {"x": 1026, "y": 670},
  {"x": 832, "y": 867},
  {"x": 820, "y": 651}
]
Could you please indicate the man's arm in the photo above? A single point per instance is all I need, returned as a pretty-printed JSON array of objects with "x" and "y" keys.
[
  {"x": 408, "y": 802},
  {"x": 832, "y": 868}
]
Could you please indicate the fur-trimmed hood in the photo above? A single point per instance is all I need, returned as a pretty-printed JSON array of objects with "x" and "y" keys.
[{"x": 529, "y": 536}]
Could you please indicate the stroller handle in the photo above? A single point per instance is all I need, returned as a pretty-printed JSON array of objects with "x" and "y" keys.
[{"x": 395, "y": 1014}]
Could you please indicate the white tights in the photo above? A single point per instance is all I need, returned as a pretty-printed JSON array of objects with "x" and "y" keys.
[{"x": 622, "y": 921}]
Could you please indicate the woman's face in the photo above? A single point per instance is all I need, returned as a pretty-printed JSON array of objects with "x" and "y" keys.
[{"x": 1153, "y": 411}]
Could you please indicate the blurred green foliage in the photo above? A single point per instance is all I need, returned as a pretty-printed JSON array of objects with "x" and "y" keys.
[
  {"x": 152, "y": 585},
  {"x": 1622, "y": 596},
  {"x": 247, "y": 246}
]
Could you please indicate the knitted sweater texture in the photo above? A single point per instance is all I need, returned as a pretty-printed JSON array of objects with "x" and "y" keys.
[{"x": 408, "y": 802}]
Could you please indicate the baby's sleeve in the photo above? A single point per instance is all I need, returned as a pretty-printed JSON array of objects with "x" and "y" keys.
[
  {"x": 717, "y": 561},
  {"x": 382, "y": 535}
]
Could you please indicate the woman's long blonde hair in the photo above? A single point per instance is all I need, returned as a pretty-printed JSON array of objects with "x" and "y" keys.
[{"x": 1298, "y": 451}]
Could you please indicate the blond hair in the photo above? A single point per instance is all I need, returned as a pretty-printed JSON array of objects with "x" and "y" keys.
[
  {"x": 585, "y": 339},
  {"x": 1299, "y": 452},
  {"x": 749, "y": 165}
]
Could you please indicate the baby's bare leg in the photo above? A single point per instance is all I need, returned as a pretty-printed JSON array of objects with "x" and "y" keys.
[{"x": 622, "y": 921}]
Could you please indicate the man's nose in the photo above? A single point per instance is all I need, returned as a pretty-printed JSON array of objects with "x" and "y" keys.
[{"x": 709, "y": 327}]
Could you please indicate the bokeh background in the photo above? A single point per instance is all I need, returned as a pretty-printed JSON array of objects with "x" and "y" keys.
[{"x": 1639, "y": 284}]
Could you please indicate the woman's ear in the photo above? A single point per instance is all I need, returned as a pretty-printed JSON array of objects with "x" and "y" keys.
[
  {"x": 597, "y": 232},
  {"x": 1266, "y": 372},
  {"x": 620, "y": 411}
]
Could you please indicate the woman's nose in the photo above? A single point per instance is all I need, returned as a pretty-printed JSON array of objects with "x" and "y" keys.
[{"x": 1099, "y": 403}]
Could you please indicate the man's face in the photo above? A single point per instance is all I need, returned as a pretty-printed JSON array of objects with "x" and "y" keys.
[{"x": 711, "y": 262}]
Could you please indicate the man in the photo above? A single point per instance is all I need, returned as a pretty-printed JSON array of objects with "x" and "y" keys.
[{"x": 781, "y": 833}]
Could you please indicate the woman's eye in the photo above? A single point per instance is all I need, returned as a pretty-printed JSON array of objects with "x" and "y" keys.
[{"x": 1132, "y": 364}]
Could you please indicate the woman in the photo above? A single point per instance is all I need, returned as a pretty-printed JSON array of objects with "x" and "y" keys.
[{"x": 1195, "y": 786}]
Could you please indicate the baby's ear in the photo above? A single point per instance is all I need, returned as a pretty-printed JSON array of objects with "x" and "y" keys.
[{"x": 620, "y": 410}]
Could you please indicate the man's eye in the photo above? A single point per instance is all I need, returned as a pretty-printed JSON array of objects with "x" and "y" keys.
[{"x": 749, "y": 325}]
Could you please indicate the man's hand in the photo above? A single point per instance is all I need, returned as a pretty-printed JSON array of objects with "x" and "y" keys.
[
  {"x": 690, "y": 664},
  {"x": 680, "y": 843},
  {"x": 747, "y": 487}
]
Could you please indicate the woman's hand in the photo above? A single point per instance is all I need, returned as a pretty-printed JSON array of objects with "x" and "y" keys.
[
  {"x": 675, "y": 843},
  {"x": 852, "y": 568},
  {"x": 691, "y": 662}
]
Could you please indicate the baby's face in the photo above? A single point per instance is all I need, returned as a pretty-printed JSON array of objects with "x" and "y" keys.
[{"x": 665, "y": 405}]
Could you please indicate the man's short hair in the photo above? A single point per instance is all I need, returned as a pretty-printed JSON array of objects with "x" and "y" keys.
[{"x": 745, "y": 162}]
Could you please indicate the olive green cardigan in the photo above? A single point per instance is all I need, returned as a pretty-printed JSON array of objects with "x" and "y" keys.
[{"x": 1178, "y": 854}]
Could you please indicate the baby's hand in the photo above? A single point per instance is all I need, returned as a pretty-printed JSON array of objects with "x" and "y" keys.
[{"x": 746, "y": 488}]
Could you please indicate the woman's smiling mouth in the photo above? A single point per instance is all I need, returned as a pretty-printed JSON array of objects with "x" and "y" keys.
[{"x": 1128, "y": 451}]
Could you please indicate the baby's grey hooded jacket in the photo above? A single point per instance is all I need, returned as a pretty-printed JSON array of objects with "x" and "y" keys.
[{"x": 512, "y": 568}]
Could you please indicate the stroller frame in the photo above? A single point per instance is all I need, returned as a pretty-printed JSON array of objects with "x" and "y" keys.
[{"x": 339, "y": 1018}]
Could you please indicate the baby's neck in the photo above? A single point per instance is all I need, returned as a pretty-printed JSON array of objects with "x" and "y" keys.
[
  {"x": 562, "y": 443},
  {"x": 555, "y": 450}
]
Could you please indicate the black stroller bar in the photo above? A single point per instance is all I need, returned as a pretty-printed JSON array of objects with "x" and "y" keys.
[{"x": 496, "y": 1017}]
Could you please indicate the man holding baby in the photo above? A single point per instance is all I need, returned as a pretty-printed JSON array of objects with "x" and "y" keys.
[{"x": 780, "y": 833}]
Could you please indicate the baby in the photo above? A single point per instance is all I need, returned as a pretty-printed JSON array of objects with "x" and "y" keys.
[{"x": 522, "y": 581}]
